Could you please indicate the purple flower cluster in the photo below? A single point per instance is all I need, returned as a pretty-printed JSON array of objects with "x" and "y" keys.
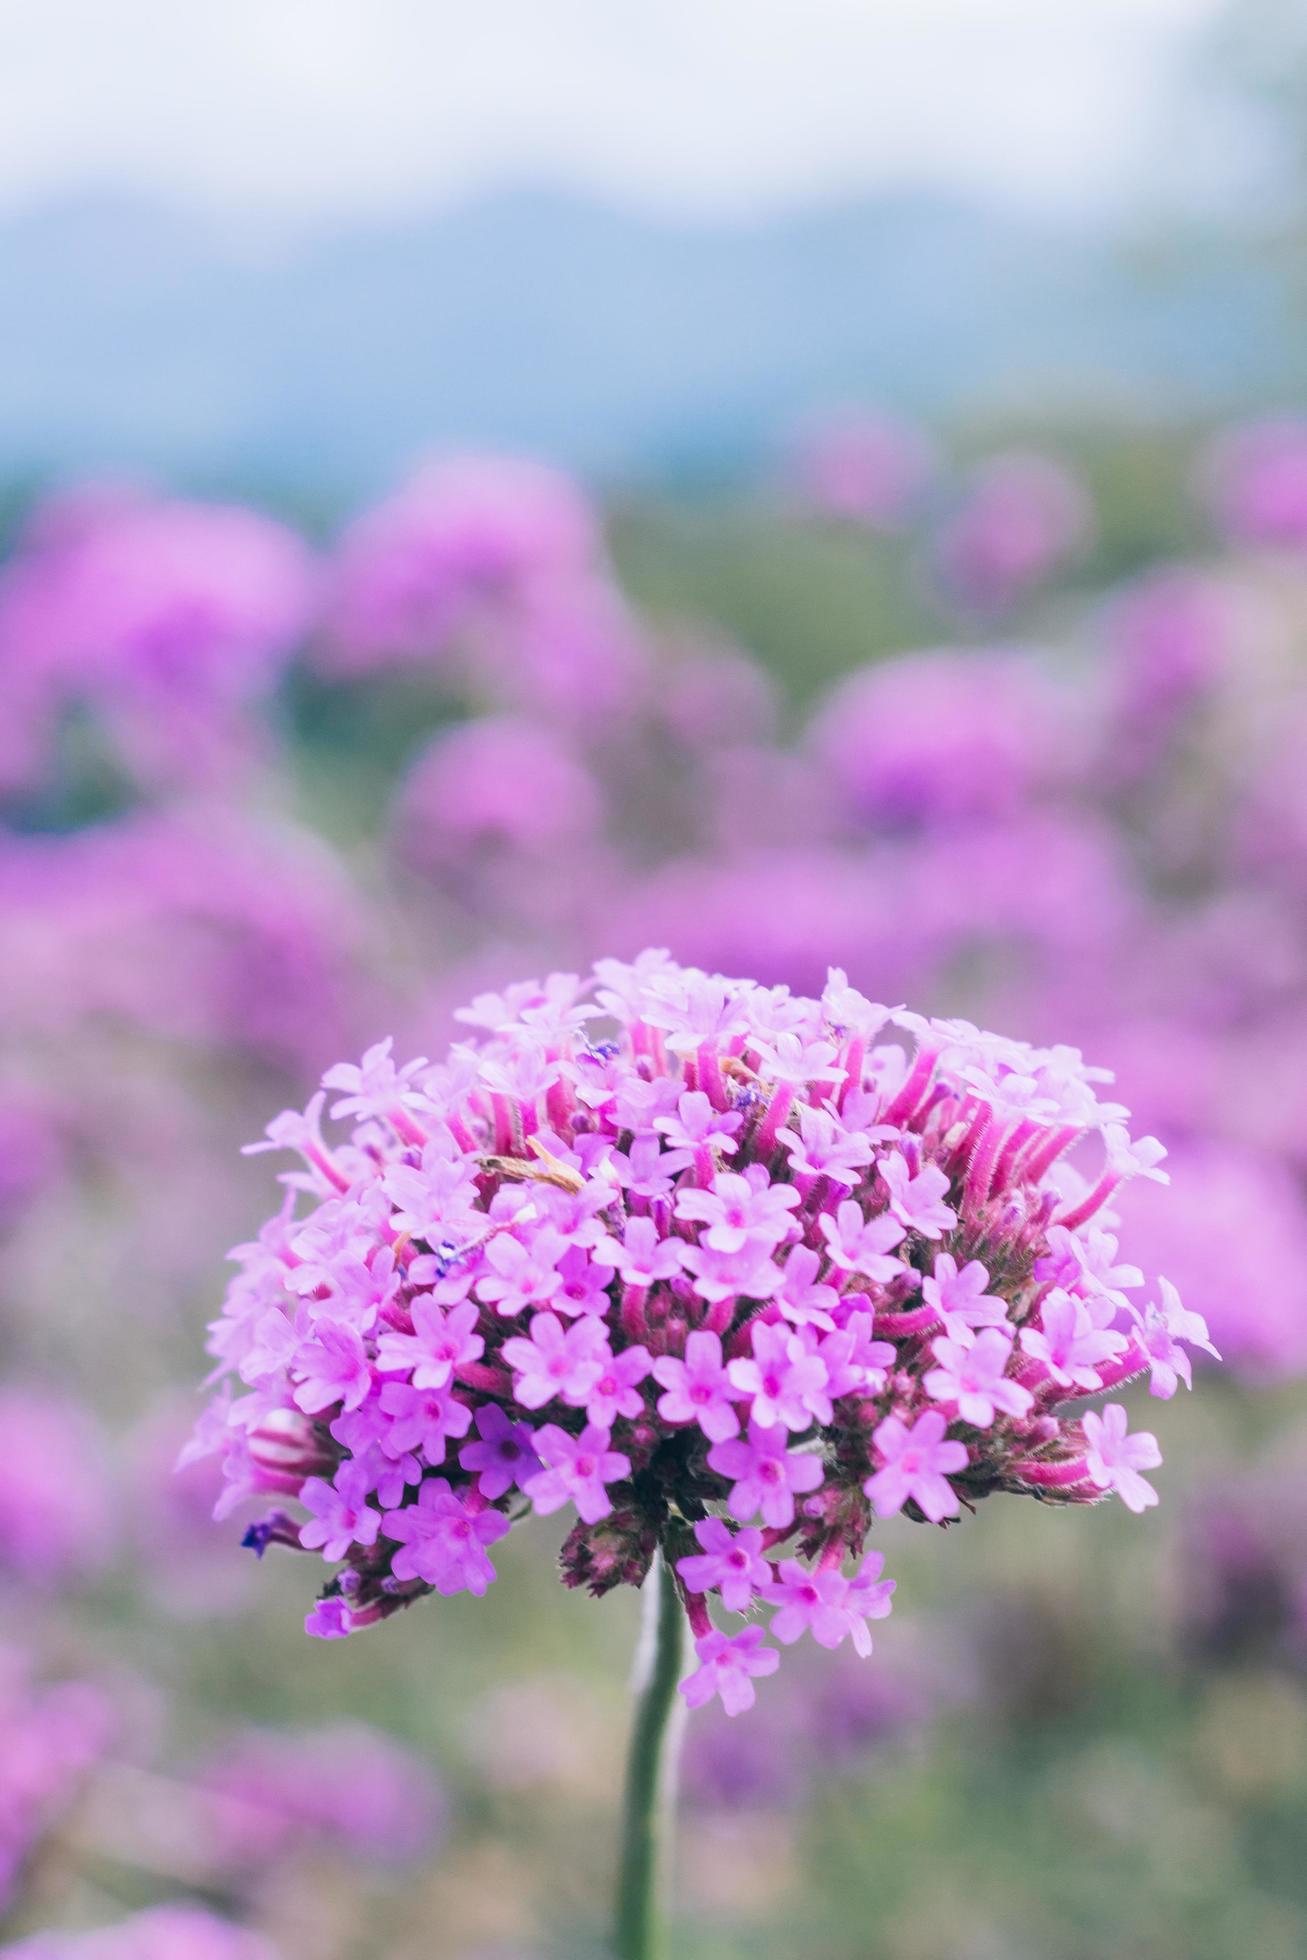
[{"x": 720, "y": 1269}]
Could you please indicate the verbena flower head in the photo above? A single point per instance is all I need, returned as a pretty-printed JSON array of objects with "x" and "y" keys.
[{"x": 709, "y": 1267}]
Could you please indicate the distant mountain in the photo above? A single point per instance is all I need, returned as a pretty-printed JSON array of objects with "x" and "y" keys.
[{"x": 141, "y": 337}]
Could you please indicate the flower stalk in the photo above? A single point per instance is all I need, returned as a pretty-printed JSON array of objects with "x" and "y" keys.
[{"x": 650, "y": 1770}]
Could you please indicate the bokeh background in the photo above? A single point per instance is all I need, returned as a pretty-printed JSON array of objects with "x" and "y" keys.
[{"x": 488, "y": 487}]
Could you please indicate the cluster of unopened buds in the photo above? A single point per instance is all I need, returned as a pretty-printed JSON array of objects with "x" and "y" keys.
[{"x": 727, "y": 1271}]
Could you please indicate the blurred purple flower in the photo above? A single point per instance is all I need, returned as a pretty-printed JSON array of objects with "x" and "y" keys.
[
  {"x": 1255, "y": 481},
  {"x": 56, "y": 1511},
  {"x": 464, "y": 531},
  {"x": 1023, "y": 516},
  {"x": 169, "y": 620},
  {"x": 51, "y": 1738},
  {"x": 941, "y": 738},
  {"x": 1248, "y": 1281},
  {"x": 862, "y": 467},
  {"x": 163, "y": 1933},
  {"x": 346, "y": 1788},
  {"x": 495, "y": 790}
]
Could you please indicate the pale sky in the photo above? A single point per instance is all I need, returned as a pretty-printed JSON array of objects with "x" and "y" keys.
[{"x": 316, "y": 108}]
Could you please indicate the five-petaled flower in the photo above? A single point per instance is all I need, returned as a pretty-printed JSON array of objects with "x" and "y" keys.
[
  {"x": 916, "y": 1464},
  {"x": 731, "y": 1563},
  {"x": 826, "y": 1604},
  {"x": 555, "y": 1361},
  {"x": 786, "y": 1378},
  {"x": 1114, "y": 1459},
  {"x": 576, "y": 1470},
  {"x": 974, "y": 1378},
  {"x": 698, "y": 1388},
  {"x": 442, "y": 1540},
  {"x": 338, "y": 1520},
  {"x": 728, "y": 1667},
  {"x": 765, "y": 1475},
  {"x": 503, "y": 1455},
  {"x": 439, "y": 1345}
]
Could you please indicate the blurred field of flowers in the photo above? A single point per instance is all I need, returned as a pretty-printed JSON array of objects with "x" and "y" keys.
[{"x": 1015, "y": 731}]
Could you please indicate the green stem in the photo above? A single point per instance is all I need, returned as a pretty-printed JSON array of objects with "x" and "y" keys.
[{"x": 649, "y": 1767}]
